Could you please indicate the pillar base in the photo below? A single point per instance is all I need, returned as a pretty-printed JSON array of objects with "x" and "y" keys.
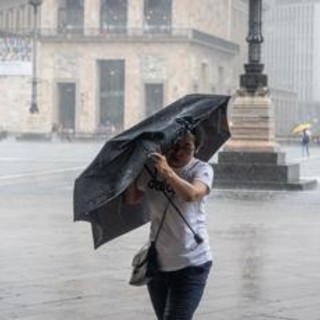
[{"x": 258, "y": 170}]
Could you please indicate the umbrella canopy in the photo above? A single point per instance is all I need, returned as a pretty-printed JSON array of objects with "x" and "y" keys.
[
  {"x": 98, "y": 190},
  {"x": 302, "y": 126}
]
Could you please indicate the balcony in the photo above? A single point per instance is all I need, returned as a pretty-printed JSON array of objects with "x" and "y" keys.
[{"x": 114, "y": 34}]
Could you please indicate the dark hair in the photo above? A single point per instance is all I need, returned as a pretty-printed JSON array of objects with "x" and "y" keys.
[{"x": 199, "y": 135}]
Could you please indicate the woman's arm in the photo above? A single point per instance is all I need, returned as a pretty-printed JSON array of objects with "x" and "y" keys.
[
  {"x": 133, "y": 195},
  {"x": 188, "y": 191}
]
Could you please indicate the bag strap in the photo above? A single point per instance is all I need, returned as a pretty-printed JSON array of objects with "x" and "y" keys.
[{"x": 162, "y": 220}]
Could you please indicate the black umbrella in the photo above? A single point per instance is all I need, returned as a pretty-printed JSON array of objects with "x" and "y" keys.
[{"x": 98, "y": 190}]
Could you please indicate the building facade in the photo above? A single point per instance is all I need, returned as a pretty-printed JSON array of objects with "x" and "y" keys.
[
  {"x": 292, "y": 52},
  {"x": 286, "y": 111},
  {"x": 103, "y": 65}
]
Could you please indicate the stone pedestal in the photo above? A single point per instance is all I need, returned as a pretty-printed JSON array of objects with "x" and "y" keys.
[
  {"x": 252, "y": 123},
  {"x": 258, "y": 170},
  {"x": 252, "y": 158},
  {"x": 36, "y": 128}
]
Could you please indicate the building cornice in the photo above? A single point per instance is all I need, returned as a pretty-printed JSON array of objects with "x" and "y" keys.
[{"x": 140, "y": 35}]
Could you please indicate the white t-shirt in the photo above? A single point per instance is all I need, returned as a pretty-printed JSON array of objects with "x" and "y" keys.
[{"x": 176, "y": 245}]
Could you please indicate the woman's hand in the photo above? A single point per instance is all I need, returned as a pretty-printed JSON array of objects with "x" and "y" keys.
[{"x": 161, "y": 164}]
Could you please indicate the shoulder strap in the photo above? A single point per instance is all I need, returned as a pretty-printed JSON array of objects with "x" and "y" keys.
[{"x": 162, "y": 219}]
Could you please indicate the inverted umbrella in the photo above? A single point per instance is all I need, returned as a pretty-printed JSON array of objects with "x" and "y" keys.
[
  {"x": 98, "y": 190},
  {"x": 302, "y": 126}
]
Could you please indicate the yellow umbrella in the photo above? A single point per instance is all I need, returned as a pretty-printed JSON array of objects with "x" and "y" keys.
[{"x": 302, "y": 126}]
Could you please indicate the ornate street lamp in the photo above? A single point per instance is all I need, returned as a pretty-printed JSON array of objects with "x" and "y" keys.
[
  {"x": 34, "y": 97},
  {"x": 253, "y": 77},
  {"x": 252, "y": 158}
]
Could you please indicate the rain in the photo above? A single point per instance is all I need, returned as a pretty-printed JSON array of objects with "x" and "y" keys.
[{"x": 75, "y": 74}]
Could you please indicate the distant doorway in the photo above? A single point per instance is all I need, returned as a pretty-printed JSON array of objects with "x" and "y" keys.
[
  {"x": 153, "y": 98},
  {"x": 66, "y": 105},
  {"x": 111, "y": 95}
]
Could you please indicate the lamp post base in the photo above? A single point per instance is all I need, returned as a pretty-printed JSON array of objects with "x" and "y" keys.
[
  {"x": 252, "y": 159},
  {"x": 258, "y": 170},
  {"x": 34, "y": 108}
]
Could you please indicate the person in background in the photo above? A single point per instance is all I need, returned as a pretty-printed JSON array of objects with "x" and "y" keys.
[
  {"x": 184, "y": 263},
  {"x": 305, "y": 142}
]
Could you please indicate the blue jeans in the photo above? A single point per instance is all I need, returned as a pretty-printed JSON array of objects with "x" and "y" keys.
[
  {"x": 305, "y": 149},
  {"x": 176, "y": 294}
]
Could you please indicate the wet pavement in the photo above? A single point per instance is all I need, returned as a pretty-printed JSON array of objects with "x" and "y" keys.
[{"x": 266, "y": 246}]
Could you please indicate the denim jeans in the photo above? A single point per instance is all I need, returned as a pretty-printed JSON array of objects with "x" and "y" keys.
[
  {"x": 305, "y": 149},
  {"x": 176, "y": 294}
]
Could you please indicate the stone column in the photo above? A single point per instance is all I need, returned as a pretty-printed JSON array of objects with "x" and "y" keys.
[
  {"x": 135, "y": 16},
  {"x": 92, "y": 17},
  {"x": 49, "y": 16}
]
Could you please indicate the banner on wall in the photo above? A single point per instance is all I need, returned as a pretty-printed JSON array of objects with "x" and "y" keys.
[{"x": 15, "y": 55}]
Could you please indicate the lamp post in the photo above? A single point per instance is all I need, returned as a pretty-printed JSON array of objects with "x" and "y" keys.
[
  {"x": 253, "y": 77},
  {"x": 252, "y": 158},
  {"x": 34, "y": 96}
]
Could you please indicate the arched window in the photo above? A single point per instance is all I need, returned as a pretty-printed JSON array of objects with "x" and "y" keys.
[
  {"x": 157, "y": 16},
  {"x": 70, "y": 16},
  {"x": 113, "y": 16}
]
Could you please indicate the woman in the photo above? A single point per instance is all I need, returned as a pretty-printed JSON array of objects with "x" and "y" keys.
[{"x": 184, "y": 262}]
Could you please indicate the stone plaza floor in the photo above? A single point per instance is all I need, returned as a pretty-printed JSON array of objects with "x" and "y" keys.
[{"x": 266, "y": 246}]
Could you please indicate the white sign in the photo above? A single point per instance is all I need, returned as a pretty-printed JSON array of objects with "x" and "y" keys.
[
  {"x": 15, "y": 55},
  {"x": 15, "y": 68}
]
